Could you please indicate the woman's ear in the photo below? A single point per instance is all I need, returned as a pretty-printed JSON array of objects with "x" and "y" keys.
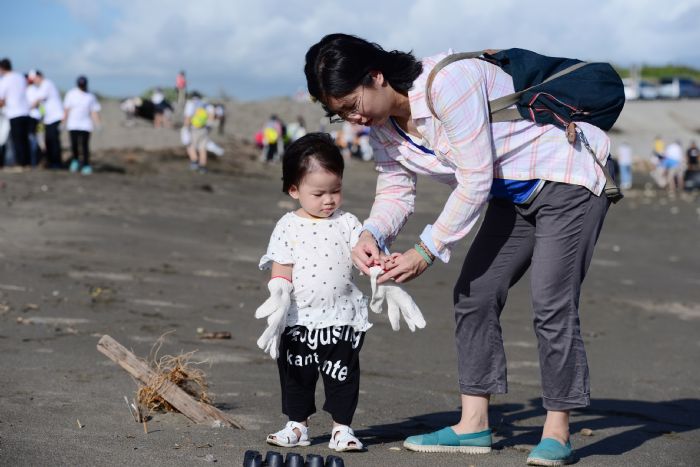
[
  {"x": 293, "y": 192},
  {"x": 377, "y": 78}
]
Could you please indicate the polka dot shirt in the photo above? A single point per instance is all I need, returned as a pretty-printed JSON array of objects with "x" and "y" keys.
[{"x": 319, "y": 249}]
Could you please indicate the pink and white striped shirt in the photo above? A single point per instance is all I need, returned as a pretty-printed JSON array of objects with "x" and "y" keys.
[{"x": 469, "y": 152}]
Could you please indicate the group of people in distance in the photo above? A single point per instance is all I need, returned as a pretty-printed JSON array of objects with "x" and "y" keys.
[{"x": 32, "y": 105}]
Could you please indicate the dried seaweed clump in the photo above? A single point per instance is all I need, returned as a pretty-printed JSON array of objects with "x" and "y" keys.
[{"x": 179, "y": 370}]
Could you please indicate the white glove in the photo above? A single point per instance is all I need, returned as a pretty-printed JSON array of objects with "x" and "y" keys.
[
  {"x": 398, "y": 303},
  {"x": 275, "y": 309}
]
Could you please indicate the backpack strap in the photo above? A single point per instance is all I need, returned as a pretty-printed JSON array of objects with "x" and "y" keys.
[
  {"x": 442, "y": 64},
  {"x": 499, "y": 110}
]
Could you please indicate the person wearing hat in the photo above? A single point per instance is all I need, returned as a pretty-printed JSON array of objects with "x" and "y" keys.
[
  {"x": 48, "y": 99},
  {"x": 13, "y": 101},
  {"x": 80, "y": 116}
]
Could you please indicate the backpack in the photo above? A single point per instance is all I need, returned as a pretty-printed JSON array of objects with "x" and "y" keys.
[
  {"x": 553, "y": 90},
  {"x": 270, "y": 135},
  {"x": 200, "y": 117}
]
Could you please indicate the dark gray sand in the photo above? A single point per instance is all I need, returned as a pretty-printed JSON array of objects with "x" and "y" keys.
[{"x": 146, "y": 247}]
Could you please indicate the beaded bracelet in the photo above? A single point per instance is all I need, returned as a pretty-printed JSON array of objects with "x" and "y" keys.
[
  {"x": 427, "y": 250},
  {"x": 423, "y": 253}
]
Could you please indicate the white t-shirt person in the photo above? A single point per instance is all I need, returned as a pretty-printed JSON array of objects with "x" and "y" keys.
[
  {"x": 32, "y": 95},
  {"x": 53, "y": 107},
  {"x": 13, "y": 90},
  {"x": 80, "y": 105},
  {"x": 319, "y": 250}
]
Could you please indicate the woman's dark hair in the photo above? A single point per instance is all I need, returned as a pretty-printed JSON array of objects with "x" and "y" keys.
[
  {"x": 339, "y": 63},
  {"x": 305, "y": 154},
  {"x": 82, "y": 83}
]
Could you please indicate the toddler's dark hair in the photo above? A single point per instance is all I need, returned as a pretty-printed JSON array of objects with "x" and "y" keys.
[{"x": 312, "y": 149}]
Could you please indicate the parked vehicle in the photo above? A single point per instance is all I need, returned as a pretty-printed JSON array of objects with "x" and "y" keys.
[
  {"x": 631, "y": 89},
  {"x": 639, "y": 89},
  {"x": 676, "y": 88},
  {"x": 648, "y": 90}
]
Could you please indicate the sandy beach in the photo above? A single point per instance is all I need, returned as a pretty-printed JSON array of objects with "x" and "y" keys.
[{"x": 144, "y": 247}]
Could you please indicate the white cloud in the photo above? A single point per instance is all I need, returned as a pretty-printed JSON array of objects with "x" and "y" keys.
[{"x": 256, "y": 48}]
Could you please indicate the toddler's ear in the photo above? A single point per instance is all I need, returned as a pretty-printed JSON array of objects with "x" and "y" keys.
[{"x": 293, "y": 192}]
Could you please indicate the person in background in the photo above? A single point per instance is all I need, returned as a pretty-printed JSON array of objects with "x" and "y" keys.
[
  {"x": 13, "y": 99},
  {"x": 181, "y": 85},
  {"x": 81, "y": 115},
  {"x": 273, "y": 136},
  {"x": 220, "y": 114},
  {"x": 673, "y": 167},
  {"x": 160, "y": 107},
  {"x": 624, "y": 159},
  {"x": 656, "y": 165},
  {"x": 196, "y": 118},
  {"x": 658, "y": 148},
  {"x": 692, "y": 156},
  {"x": 296, "y": 129},
  {"x": 48, "y": 98},
  {"x": 35, "y": 152}
]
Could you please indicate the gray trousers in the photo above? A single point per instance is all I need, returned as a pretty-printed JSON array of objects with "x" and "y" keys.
[{"x": 555, "y": 235}]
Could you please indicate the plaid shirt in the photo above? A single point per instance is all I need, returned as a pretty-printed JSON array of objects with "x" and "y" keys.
[{"x": 469, "y": 153}]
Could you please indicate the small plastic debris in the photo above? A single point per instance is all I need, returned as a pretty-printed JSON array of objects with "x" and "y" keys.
[
  {"x": 586, "y": 432},
  {"x": 209, "y": 458},
  {"x": 80, "y": 425},
  {"x": 204, "y": 334},
  {"x": 394, "y": 448}
]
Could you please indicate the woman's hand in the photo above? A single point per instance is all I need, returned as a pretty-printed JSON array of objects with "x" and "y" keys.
[
  {"x": 365, "y": 254},
  {"x": 388, "y": 261},
  {"x": 403, "y": 267}
]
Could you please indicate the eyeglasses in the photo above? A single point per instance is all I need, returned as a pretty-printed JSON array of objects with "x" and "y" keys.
[{"x": 342, "y": 115}]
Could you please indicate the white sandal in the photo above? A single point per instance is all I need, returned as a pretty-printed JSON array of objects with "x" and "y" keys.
[
  {"x": 343, "y": 440},
  {"x": 287, "y": 437}
]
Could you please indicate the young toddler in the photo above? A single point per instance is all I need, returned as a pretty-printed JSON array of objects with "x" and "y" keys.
[{"x": 317, "y": 317}]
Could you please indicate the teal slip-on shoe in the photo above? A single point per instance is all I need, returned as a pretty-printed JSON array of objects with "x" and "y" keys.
[
  {"x": 551, "y": 452},
  {"x": 74, "y": 166},
  {"x": 446, "y": 440}
]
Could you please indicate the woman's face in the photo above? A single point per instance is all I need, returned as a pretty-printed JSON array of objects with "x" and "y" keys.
[{"x": 368, "y": 104}]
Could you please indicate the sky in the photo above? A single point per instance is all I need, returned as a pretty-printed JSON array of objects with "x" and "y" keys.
[{"x": 254, "y": 49}]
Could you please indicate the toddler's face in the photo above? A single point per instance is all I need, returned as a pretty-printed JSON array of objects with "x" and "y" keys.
[{"x": 319, "y": 193}]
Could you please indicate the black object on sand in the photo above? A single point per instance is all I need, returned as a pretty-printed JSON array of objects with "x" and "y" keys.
[
  {"x": 274, "y": 459},
  {"x": 314, "y": 460},
  {"x": 252, "y": 459},
  {"x": 294, "y": 460},
  {"x": 334, "y": 461}
]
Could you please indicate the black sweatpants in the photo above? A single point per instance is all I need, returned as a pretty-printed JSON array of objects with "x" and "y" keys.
[
  {"x": 35, "y": 152},
  {"x": 52, "y": 140},
  {"x": 80, "y": 142},
  {"x": 19, "y": 133},
  {"x": 332, "y": 351}
]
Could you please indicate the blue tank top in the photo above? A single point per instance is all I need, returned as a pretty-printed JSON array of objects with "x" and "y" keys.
[{"x": 517, "y": 191}]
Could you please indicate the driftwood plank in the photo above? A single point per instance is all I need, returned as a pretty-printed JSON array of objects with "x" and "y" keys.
[{"x": 197, "y": 411}]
